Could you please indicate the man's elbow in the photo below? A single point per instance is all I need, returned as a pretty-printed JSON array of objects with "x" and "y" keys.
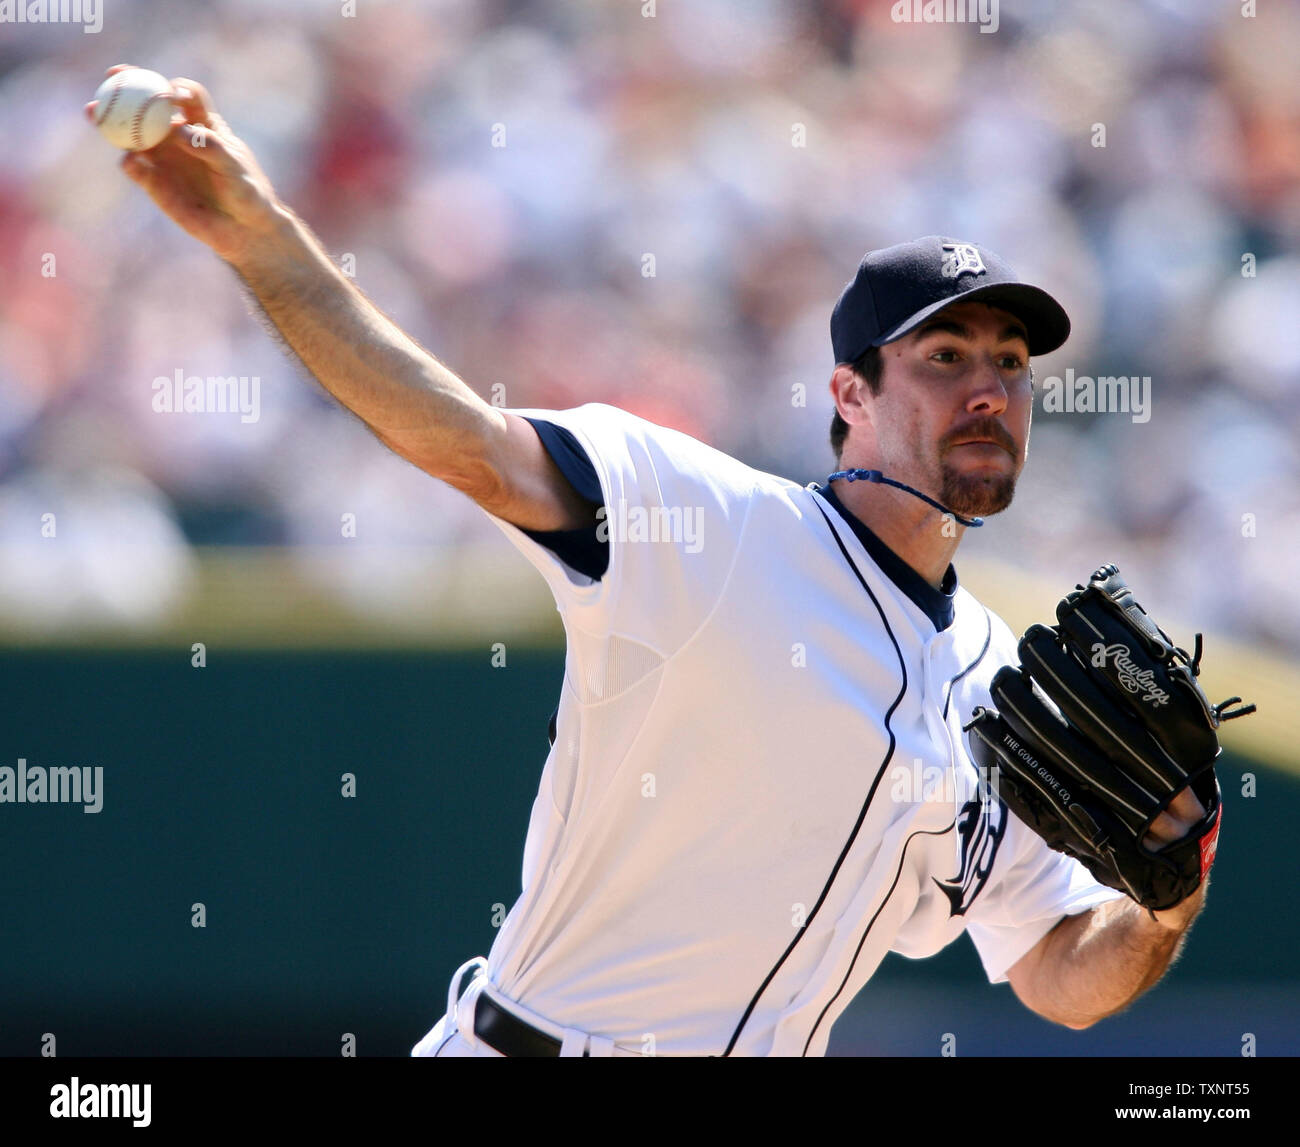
[
  {"x": 1052, "y": 1014},
  {"x": 1050, "y": 1010},
  {"x": 1076, "y": 1021},
  {"x": 1079, "y": 1025}
]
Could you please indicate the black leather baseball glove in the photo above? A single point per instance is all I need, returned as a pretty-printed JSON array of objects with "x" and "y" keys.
[{"x": 1096, "y": 731}]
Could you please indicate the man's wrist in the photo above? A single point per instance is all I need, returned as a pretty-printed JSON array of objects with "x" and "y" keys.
[
  {"x": 272, "y": 247},
  {"x": 1180, "y": 916}
]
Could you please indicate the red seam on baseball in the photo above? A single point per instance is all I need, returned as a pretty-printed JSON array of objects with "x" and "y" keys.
[
  {"x": 108, "y": 106},
  {"x": 136, "y": 137}
]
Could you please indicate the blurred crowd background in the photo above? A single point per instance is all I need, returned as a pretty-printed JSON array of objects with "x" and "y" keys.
[
  {"x": 756, "y": 149},
  {"x": 748, "y": 152}
]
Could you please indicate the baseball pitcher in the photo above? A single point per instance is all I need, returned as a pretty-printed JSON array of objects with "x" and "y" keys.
[{"x": 788, "y": 740}]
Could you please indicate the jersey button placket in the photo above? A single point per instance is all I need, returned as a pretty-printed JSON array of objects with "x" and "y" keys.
[{"x": 932, "y": 704}]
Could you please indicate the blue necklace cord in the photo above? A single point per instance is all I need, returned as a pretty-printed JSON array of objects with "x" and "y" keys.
[{"x": 877, "y": 476}]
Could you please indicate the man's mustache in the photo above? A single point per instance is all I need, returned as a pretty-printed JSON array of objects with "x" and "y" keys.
[{"x": 986, "y": 428}]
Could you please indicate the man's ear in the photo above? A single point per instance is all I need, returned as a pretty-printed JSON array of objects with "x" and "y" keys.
[{"x": 851, "y": 394}]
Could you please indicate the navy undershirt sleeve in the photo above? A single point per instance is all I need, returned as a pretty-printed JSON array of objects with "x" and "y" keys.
[{"x": 580, "y": 549}]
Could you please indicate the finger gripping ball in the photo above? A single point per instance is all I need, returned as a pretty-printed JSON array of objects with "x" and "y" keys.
[{"x": 134, "y": 111}]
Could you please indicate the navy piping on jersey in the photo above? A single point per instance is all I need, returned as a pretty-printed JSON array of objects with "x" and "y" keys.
[
  {"x": 936, "y": 604},
  {"x": 582, "y": 549},
  {"x": 862, "y": 814},
  {"x": 876, "y": 916},
  {"x": 948, "y": 691},
  {"x": 988, "y": 638}
]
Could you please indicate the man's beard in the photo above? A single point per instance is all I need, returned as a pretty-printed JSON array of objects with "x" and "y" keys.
[
  {"x": 978, "y": 494},
  {"x": 973, "y": 495}
]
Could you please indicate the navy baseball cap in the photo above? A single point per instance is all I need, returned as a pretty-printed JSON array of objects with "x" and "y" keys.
[{"x": 897, "y": 288}]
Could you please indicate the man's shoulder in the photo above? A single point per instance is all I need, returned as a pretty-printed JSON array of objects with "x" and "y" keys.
[{"x": 599, "y": 426}]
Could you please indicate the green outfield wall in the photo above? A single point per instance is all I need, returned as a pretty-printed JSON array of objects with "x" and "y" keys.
[{"x": 326, "y": 914}]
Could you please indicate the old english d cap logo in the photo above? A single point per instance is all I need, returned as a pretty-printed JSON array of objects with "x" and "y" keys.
[
  {"x": 897, "y": 288},
  {"x": 959, "y": 258}
]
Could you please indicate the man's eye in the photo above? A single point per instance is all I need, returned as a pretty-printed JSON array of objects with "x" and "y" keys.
[
  {"x": 1012, "y": 362},
  {"x": 943, "y": 352}
]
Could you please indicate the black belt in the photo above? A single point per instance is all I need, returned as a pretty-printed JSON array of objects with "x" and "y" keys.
[{"x": 508, "y": 1034}]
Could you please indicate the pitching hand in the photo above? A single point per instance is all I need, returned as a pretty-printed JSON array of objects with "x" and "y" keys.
[
  {"x": 203, "y": 176},
  {"x": 1185, "y": 811}
]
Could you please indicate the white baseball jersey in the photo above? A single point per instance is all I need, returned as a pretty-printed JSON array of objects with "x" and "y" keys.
[{"x": 759, "y": 784}]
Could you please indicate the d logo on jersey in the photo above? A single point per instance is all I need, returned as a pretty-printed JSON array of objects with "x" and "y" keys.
[
  {"x": 959, "y": 258},
  {"x": 981, "y": 825}
]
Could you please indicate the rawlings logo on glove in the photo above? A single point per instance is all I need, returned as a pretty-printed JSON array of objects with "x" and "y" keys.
[
  {"x": 1097, "y": 731},
  {"x": 1131, "y": 675}
]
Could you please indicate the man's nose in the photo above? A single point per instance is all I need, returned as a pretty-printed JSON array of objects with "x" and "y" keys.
[{"x": 988, "y": 391}]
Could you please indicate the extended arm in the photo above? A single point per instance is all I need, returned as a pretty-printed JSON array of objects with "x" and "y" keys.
[
  {"x": 208, "y": 181},
  {"x": 411, "y": 402}
]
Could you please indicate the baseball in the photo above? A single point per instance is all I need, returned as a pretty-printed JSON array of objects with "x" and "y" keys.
[{"x": 134, "y": 111}]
